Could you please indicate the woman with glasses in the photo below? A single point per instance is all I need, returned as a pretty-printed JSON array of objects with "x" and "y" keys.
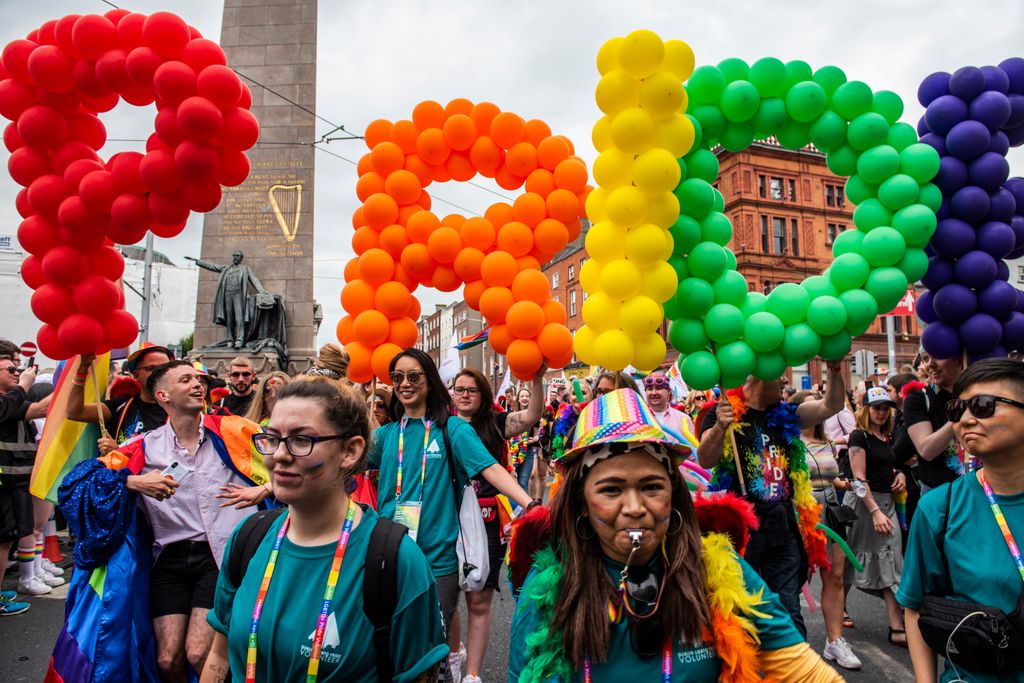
[
  {"x": 419, "y": 454},
  {"x": 628, "y": 590},
  {"x": 875, "y": 535},
  {"x": 266, "y": 396},
  {"x": 302, "y": 590},
  {"x": 610, "y": 381}
]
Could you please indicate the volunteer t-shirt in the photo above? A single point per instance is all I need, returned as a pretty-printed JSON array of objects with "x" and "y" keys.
[
  {"x": 762, "y": 452},
  {"x": 439, "y": 519},
  {"x": 293, "y": 602},
  {"x": 133, "y": 416},
  {"x": 696, "y": 662},
  {"x": 981, "y": 568},
  {"x": 929, "y": 405}
]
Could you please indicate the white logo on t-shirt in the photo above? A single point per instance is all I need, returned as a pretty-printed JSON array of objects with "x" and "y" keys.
[{"x": 433, "y": 447}]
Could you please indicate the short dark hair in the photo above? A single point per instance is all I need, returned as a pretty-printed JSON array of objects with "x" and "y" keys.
[
  {"x": 10, "y": 349},
  {"x": 346, "y": 412},
  {"x": 991, "y": 370},
  {"x": 161, "y": 370},
  {"x": 901, "y": 380}
]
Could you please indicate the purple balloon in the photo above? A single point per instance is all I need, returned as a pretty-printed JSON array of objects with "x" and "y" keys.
[
  {"x": 953, "y": 238},
  {"x": 1015, "y": 186},
  {"x": 1015, "y": 135},
  {"x": 1014, "y": 69},
  {"x": 996, "y": 79},
  {"x": 922, "y": 127},
  {"x": 968, "y": 140},
  {"x": 967, "y": 82},
  {"x": 980, "y": 332},
  {"x": 933, "y": 86},
  {"x": 1002, "y": 271},
  {"x": 991, "y": 108},
  {"x": 939, "y": 273},
  {"x": 1000, "y": 143},
  {"x": 997, "y": 351},
  {"x": 1002, "y": 204},
  {"x": 970, "y": 203},
  {"x": 954, "y": 303},
  {"x": 936, "y": 141},
  {"x": 952, "y": 175},
  {"x": 944, "y": 211},
  {"x": 1020, "y": 301},
  {"x": 999, "y": 299},
  {"x": 975, "y": 269},
  {"x": 1016, "y": 110},
  {"x": 941, "y": 340},
  {"x": 995, "y": 239},
  {"x": 1013, "y": 331},
  {"x": 924, "y": 307},
  {"x": 989, "y": 171},
  {"x": 944, "y": 113}
]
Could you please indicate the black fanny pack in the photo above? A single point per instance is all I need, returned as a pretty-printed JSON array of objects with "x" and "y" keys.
[{"x": 976, "y": 637}]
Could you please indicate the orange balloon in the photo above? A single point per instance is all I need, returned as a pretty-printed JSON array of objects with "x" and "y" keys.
[
  {"x": 377, "y": 132},
  {"x": 571, "y": 174},
  {"x": 525, "y": 319},
  {"x": 541, "y": 181},
  {"x": 527, "y": 263},
  {"x": 393, "y": 239},
  {"x": 380, "y": 360},
  {"x": 459, "y": 105},
  {"x": 555, "y": 341},
  {"x": 441, "y": 174},
  {"x": 531, "y": 285},
  {"x": 357, "y": 296},
  {"x": 392, "y": 299},
  {"x": 359, "y": 369},
  {"x": 445, "y": 279},
  {"x": 343, "y": 330},
  {"x": 471, "y": 293},
  {"x": 387, "y": 157},
  {"x": 498, "y": 269},
  {"x": 507, "y": 180},
  {"x": 529, "y": 208},
  {"x": 380, "y": 210},
  {"x": 537, "y": 130},
  {"x": 459, "y": 132},
  {"x": 358, "y": 219},
  {"x": 482, "y": 114},
  {"x": 444, "y": 244},
  {"x": 507, "y": 129},
  {"x": 524, "y": 358},
  {"x": 453, "y": 220},
  {"x": 516, "y": 238},
  {"x": 364, "y": 165},
  {"x": 406, "y": 212},
  {"x": 550, "y": 236},
  {"x": 478, "y": 233},
  {"x": 420, "y": 225},
  {"x": 417, "y": 261},
  {"x": 376, "y": 266},
  {"x": 562, "y": 204},
  {"x": 371, "y": 327},
  {"x": 521, "y": 159},
  {"x": 495, "y": 302},
  {"x": 365, "y": 238},
  {"x": 424, "y": 172},
  {"x": 459, "y": 167},
  {"x": 403, "y": 332},
  {"x": 430, "y": 145},
  {"x": 403, "y": 185},
  {"x": 556, "y": 363},
  {"x": 428, "y": 114},
  {"x": 498, "y": 214},
  {"x": 551, "y": 151},
  {"x": 554, "y": 312},
  {"x": 414, "y": 309},
  {"x": 575, "y": 227},
  {"x": 352, "y": 269},
  {"x": 424, "y": 201},
  {"x": 401, "y": 276},
  {"x": 467, "y": 264},
  {"x": 486, "y": 156},
  {"x": 404, "y": 134},
  {"x": 499, "y": 337},
  {"x": 369, "y": 184}
]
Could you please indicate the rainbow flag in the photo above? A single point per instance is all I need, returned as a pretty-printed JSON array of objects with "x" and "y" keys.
[
  {"x": 900, "y": 499},
  {"x": 472, "y": 340},
  {"x": 64, "y": 442}
]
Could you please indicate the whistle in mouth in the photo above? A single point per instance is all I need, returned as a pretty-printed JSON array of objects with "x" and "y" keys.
[{"x": 634, "y": 537}]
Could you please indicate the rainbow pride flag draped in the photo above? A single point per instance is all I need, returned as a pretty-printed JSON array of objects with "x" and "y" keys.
[
  {"x": 65, "y": 443},
  {"x": 472, "y": 340}
]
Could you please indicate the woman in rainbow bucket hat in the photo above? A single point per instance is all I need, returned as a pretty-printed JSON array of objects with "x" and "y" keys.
[{"x": 628, "y": 588}]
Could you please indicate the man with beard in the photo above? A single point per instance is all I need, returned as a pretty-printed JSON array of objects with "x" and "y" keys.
[{"x": 241, "y": 380}]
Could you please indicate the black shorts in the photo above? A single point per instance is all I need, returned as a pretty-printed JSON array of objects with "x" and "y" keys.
[
  {"x": 16, "y": 516},
  {"x": 495, "y": 552},
  {"x": 184, "y": 577}
]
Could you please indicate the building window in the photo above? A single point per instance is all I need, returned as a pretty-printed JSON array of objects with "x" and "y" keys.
[
  {"x": 764, "y": 234},
  {"x": 792, "y": 190},
  {"x": 572, "y": 272},
  {"x": 1020, "y": 273},
  {"x": 572, "y": 303},
  {"x": 762, "y": 187},
  {"x": 775, "y": 185},
  {"x": 778, "y": 235},
  {"x": 554, "y": 279},
  {"x": 897, "y": 324},
  {"x": 832, "y": 231},
  {"x": 767, "y": 287},
  {"x": 835, "y": 196},
  {"x": 794, "y": 236}
]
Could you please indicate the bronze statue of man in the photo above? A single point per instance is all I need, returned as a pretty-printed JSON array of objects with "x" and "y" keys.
[{"x": 231, "y": 305}]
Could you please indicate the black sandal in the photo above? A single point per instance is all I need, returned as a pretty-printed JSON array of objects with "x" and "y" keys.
[{"x": 897, "y": 632}]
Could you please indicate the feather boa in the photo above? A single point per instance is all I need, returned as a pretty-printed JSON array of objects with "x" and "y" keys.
[
  {"x": 783, "y": 418},
  {"x": 564, "y": 422},
  {"x": 731, "y": 631},
  {"x": 517, "y": 448}
]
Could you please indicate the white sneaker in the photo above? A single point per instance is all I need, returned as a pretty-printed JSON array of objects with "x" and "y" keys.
[
  {"x": 454, "y": 668},
  {"x": 839, "y": 651},
  {"x": 50, "y": 580},
  {"x": 33, "y": 586},
  {"x": 51, "y": 568}
]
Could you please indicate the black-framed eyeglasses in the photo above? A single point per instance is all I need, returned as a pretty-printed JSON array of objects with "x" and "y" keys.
[
  {"x": 415, "y": 377},
  {"x": 468, "y": 391},
  {"x": 981, "y": 406},
  {"x": 299, "y": 445}
]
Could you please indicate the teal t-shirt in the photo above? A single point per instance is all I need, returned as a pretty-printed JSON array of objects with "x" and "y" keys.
[
  {"x": 439, "y": 519},
  {"x": 981, "y": 568},
  {"x": 293, "y": 604},
  {"x": 696, "y": 662}
]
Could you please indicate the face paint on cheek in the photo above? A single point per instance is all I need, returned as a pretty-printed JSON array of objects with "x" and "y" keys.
[{"x": 315, "y": 470}]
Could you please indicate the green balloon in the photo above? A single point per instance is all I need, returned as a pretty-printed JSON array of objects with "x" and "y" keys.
[
  {"x": 878, "y": 164},
  {"x": 858, "y": 191},
  {"x": 695, "y": 295},
  {"x": 829, "y": 131},
  {"x": 671, "y": 309},
  {"x": 797, "y": 71},
  {"x": 678, "y": 263},
  {"x": 718, "y": 203},
  {"x": 800, "y": 344},
  {"x": 829, "y": 78},
  {"x": 695, "y": 197},
  {"x": 716, "y": 228},
  {"x": 705, "y": 86},
  {"x": 916, "y": 223},
  {"x": 930, "y": 196},
  {"x": 737, "y": 136},
  {"x": 730, "y": 288},
  {"x": 868, "y": 130},
  {"x": 685, "y": 235},
  {"x": 737, "y": 358},
  {"x": 756, "y": 302},
  {"x": 827, "y": 315},
  {"x": 888, "y": 104},
  {"x": 711, "y": 120},
  {"x": 870, "y": 213},
  {"x": 770, "y": 366},
  {"x": 789, "y": 302},
  {"x": 698, "y": 133},
  {"x": 794, "y": 135},
  {"x": 849, "y": 271},
  {"x": 835, "y": 346},
  {"x": 843, "y": 160},
  {"x": 852, "y": 99},
  {"x": 734, "y": 69},
  {"x": 768, "y": 75},
  {"x": 920, "y": 162},
  {"x": 883, "y": 247},
  {"x": 702, "y": 164},
  {"x": 764, "y": 331},
  {"x": 806, "y": 101},
  {"x": 706, "y": 261},
  {"x": 683, "y": 171},
  {"x": 888, "y": 286},
  {"x": 730, "y": 259},
  {"x": 687, "y": 335},
  {"x": 770, "y": 116},
  {"x": 700, "y": 370},
  {"x": 901, "y": 136},
  {"x": 861, "y": 310},
  {"x": 818, "y": 286},
  {"x": 914, "y": 264},
  {"x": 740, "y": 101},
  {"x": 898, "y": 191},
  {"x": 847, "y": 242}
]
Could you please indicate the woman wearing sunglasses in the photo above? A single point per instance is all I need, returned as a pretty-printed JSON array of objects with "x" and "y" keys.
[
  {"x": 266, "y": 396},
  {"x": 302, "y": 591},
  {"x": 875, "y": 536},
  {"x": 628, "y": 590}
]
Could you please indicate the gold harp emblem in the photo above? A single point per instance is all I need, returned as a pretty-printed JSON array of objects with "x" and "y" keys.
[{"x": 286, "y": 201}]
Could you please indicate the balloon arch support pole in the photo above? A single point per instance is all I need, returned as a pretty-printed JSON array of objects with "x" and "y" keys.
[
  {"x": 736, "y": 460},
  {"x": 99, "y": 402}
]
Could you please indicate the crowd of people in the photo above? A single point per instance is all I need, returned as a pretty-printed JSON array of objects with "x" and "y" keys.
[{"x": 286, "y": 523}]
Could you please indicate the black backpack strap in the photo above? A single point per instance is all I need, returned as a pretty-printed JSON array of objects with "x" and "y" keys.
[
  {"x": 451, "y": 467},
  {"x": 247, "y": 540},
  {"x": 945, "y": 528},
  {"x": 380, "y": 590}
]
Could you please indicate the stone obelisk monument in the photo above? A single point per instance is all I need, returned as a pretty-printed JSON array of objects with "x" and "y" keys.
[{"x": 272, "y": 45}]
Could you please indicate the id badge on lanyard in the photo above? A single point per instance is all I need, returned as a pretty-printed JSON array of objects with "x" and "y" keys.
[
  {"x": 407, "y": 512},
  {"x": 408, "y": 515}
]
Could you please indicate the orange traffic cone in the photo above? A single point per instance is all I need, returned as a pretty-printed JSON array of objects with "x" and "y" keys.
[{"x": 51, "y": 546}]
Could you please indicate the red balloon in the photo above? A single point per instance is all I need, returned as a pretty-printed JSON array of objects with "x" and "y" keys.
[
  {"x": 130, "y": 212},
  {"x": 52, "y": 304},
  {"x": 76, "y": 217},
  {"x": 139, "y": 97},
  {"x": 106, "y": 261},
  {"x": 27, "y": 164},
  {"x": 167, "y": 128},
  {"x": 120, "y": 330},
  {"x": 80, "y": 334},
  {"x": 220, "y": 85},
  {"x": 154, "y": 143},
  {"x": 241, "y": 129},
  {"x": 42, "y": 127},
  {"x": 21, "y": 203},
  {"x": 15, "y": 98},
  {"x": 76, "y": 171},
  {"x": 141, "y": 64},
  {"x": 199, "y": 118},
  {"x": 88, "y": 129},
  {"x": 62, "y": 34},
  {"x": 98, "y": 191},
  {"x": 201, "y": 196},
  {"x": 37, "y": 235},
  {"x": 50, "y": 344},
  {"x": 96, "y": 296},
  {"x": 51, "y": 68},
  {"x": 201, "y": 53},
  {"x": 15, "y": 59},
  {"x": 70, "y": 152},
  {"x": 125, "y": 167},
  {"x": 129, "y": 31},
  {"x": 174, "y": 81},
  {"x": 65, "y": 266},
  {"x": 99, "y": 104},
  {"x": 166, "y": 33},
  {"x": 93, "y": 35},
  {"x": 168, "y": 208},
  {"x": 83, "y": 241},
  {"x": 167, "y": 231},
  {"x": 88, "y": 85},
  {"x": 45, "y": 35},
  {"x": 12, "y": 140},
  {"x": 46, "y": 193},
  {"x": 67, "y": 103},
  {"x": 112, "y": 72},
  {"x": 234, "y": 168},
  {"x": 32, "y": 272},
  {"x": 245, "y": 101},
  {"x": 116, "y": 15},
  {"x": 196, "y": 160},
  {"x": 158, "y": 171}
]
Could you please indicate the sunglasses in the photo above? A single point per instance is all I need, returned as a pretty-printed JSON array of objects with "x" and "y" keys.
[
  {"x": 981, "y": 406},
  {"x": 13, "y": 369},
  {"x": 240, "y": 374},
  {"x": 658, "y": 382},
  {"x": 299, "y": 445},
  {"x": 641, "y": 597},
  {"x": 415, "y": 377}
]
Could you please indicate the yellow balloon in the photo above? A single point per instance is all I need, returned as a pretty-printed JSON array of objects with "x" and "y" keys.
[
  {"x": 675, "y": 134},
  {"x": 614, "y": 349},
  {"x": 644, "y": 244},
  {"x": 616, "y": 91},
  {"x": 662, "y": 94},
  {"x": 679, "y": 59},
  {"x": 626, "y": 206},
  {"x": 620, "y": 279},
  {"x": 670, "y": 246},
  {"x": 640, "y": 316},
  {"x": 583, "y": 345},
  {"x": 649, "y": 353},
  {"x": 601, "y": 312},
  {"x": 601, "y": 136},
  {"x": 613, "y": 168},
  {"x": 656, "y": 170},
  {"x": 606, "y": 241},
  {"x": 590, "y": 275},
  {"x": 633, "y": 130},
  {"x": 662, "y": 209},
  {"x": 595, "y": 204},
  {"x": 608, "y": 55},
  {"x": 659, "y": 282},
  {"x": 641, "y": 53}
]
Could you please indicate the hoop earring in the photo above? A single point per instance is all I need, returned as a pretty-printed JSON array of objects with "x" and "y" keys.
[
  {"x": 580, "y": 533},
  {"x": 678, "y": 528}
]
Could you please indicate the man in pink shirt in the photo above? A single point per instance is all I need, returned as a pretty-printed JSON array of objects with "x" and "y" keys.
[{"x": 659, "y": 399}]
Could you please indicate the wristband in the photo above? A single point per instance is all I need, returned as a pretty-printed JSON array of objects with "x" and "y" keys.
[
  {"x": 76, "y": 383},
  {"x": 534, "y": 503},
  {"x": 875, "y": 510}
]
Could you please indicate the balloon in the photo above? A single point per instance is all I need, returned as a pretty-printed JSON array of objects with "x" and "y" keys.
[
  {"x": 701, "y": 370},
  {"x": 789, "y": 302},
  {"x": 826, "y": 315},
  {"x": 800, "y": 344},
  {"x": 724, "y": 323},
  {"x": 764, "y": 331}
]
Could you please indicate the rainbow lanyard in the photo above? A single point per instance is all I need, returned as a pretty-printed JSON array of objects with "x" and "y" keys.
[
  {"x": 1001, "y": 521},
  {"x": 321, "y": 622},
  {"x": 666, "y": 664},
  {"x": 401, "y": 456}
]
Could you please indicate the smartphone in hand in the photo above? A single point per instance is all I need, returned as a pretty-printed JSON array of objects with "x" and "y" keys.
[{"x": 177, "y": 471}]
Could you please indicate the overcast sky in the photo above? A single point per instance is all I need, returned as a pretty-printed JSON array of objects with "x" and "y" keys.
[{"x": 378, "y": 59}]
